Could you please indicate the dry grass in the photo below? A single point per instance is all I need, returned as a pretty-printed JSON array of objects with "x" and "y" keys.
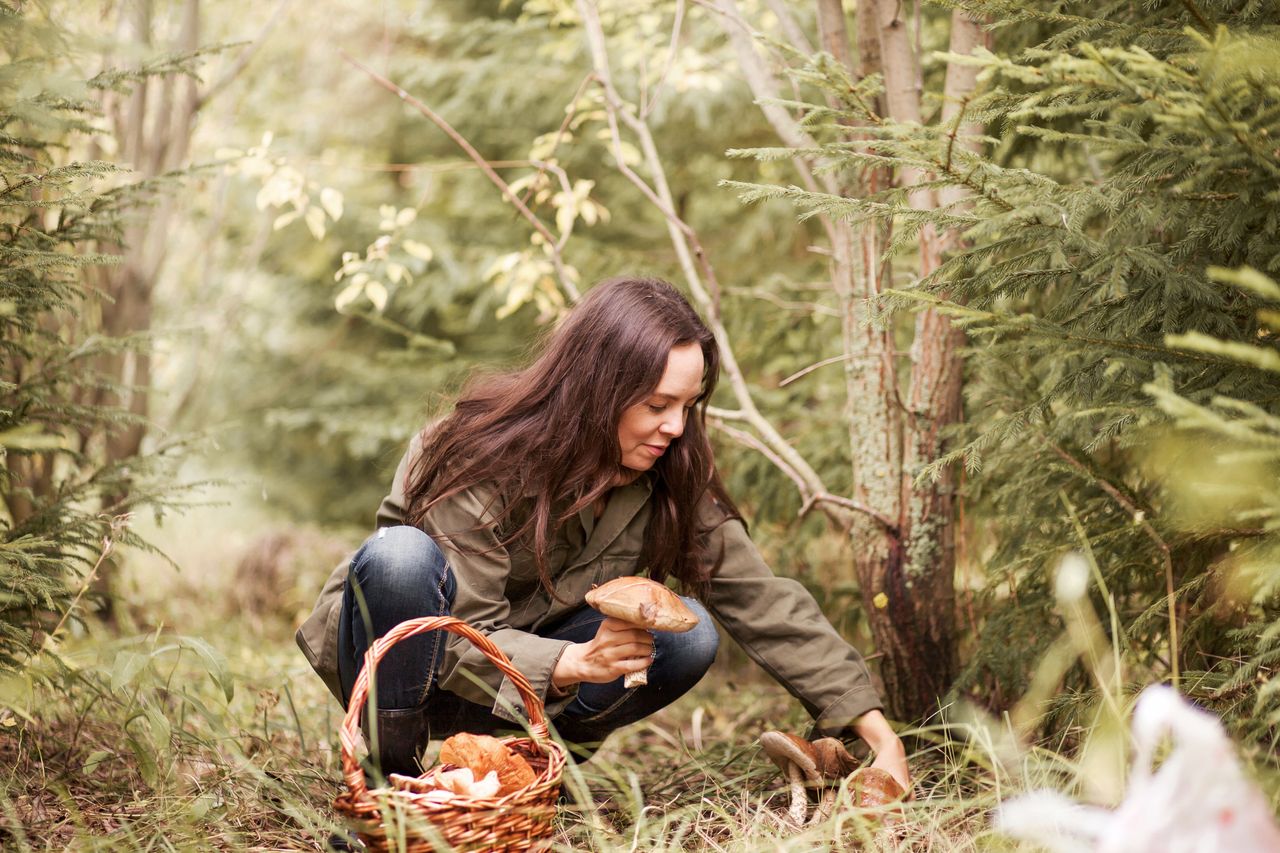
[{"x": 141, "y": 740}]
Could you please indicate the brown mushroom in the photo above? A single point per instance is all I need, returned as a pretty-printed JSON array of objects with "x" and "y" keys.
[
  {"x": 798, "y": 761},
  {"x": 874, "y": 788},
  {"x": 645, "y": 604},
  {"x": 834, "y": 763}
]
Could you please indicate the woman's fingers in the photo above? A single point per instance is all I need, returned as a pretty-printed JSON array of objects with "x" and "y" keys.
[
  {"x": 622, "y": 631},
  {"x": 619, "y": 648}
]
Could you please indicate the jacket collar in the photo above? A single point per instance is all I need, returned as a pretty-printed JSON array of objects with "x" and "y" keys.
[{"x": 624, "y": 503}]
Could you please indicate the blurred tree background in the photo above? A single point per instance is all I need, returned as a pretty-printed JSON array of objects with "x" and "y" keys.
[{"x": 999, "y": 278}]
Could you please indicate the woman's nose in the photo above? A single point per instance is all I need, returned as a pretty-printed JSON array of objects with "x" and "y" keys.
[{"x": 673, "y": 427}]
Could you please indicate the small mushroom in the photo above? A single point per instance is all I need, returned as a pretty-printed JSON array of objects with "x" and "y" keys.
[
  {"x": 834, "y": 763},
  {"x": 798, "y": 761},
  {"x": 645, "y": 604},
  {"x": 874, "y": 788}
]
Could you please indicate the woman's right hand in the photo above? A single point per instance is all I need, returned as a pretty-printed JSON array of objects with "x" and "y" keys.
[{"x": 617, "y": 648}]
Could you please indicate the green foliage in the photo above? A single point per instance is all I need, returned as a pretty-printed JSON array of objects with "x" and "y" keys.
[
  {"x": 55, "y": 402},
  {"x": 322, "y": 401},
  {"x": 1124, "y": 156}
]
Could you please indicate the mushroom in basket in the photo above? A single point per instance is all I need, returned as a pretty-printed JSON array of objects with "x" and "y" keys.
[{"x": 483, "y": 767}]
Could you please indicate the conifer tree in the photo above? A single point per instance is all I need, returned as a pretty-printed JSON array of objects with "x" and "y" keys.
[
  {"x": 54, "y": 211},
  {"x": 1127, "y": 150}
]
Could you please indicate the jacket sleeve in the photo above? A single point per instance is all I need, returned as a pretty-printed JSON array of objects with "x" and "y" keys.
[
  {"x": 781, "y": 627},
  {"x": 465, "y": 529}
]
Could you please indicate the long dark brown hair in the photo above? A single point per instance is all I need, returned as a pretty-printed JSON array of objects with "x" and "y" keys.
[{"x": 547, "y": 436}]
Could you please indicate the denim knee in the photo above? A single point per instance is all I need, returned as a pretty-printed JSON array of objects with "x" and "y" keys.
[
  {"x": 690, "y": 654},
  {"x": 399, "y": 562}
]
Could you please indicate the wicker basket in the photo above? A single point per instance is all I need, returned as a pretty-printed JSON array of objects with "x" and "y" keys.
[{"x": 398, "y": 816}]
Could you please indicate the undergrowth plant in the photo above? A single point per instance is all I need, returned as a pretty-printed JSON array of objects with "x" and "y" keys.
[
  {"x": 1121, "y": 158},
  {"x": 64, "y": 502}
]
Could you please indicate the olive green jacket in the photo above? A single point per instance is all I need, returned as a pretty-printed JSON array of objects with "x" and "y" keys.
[{"x": 774, "y": 619}]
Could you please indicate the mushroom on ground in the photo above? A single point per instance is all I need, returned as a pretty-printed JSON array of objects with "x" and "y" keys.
[
  {"x": 645, "y": 604},
  {"x": 834, "y": 763},
  {"x": 798, "y": 761},
  {"x": 874, "y": 788},
  {"x": 826, "y": 761}
]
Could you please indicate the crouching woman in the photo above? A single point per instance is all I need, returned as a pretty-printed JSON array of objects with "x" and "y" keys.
[{"x": 590, "y": 464}]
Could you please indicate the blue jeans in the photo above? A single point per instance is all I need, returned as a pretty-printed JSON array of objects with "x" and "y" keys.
[{"x": 402, "y": 574}]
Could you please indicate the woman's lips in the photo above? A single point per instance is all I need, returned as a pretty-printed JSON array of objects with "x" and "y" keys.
[{"x": 656, "y": 450}]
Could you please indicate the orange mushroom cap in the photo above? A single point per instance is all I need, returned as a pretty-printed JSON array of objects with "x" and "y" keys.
[{"x": 644, "y": 603}]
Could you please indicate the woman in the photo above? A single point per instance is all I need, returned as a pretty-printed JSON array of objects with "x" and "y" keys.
[{"x": 590, "y": 464}]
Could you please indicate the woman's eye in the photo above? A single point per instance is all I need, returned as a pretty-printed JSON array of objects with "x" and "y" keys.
[{"x": 657, "y": 410}]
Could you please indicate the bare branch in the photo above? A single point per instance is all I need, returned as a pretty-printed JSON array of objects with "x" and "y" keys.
[
  {"x": 746, "y": 439},
  {"x": 835, "y": 359},
  {"x": 115, "y": 527},
  {"x": 245, "y": 57},
  {"x": 784, "y": 304},
  {"x": 726, "y": 414},
  {"x": 856, "y": 506},
  {"x": 795, "y": 35},
  {"x": 564, "y": 126},
  {"x": 493, "y": 176},
  {"x": 810, "y": 499},
  {"x": 685, "y": 242},
  {"x": 645, "y": 109},
  {"x": 764, "y": 88}
]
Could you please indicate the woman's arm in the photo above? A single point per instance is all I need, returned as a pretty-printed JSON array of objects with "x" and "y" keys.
[
  {"x": 891, "y": 755},
  {"x": 781, "y": 627}
]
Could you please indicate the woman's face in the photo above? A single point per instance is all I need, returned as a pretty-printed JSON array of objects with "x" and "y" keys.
[{"x": 650, "y": 425}]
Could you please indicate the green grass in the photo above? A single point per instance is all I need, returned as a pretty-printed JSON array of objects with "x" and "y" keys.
[{"x": 196, "y": 724}]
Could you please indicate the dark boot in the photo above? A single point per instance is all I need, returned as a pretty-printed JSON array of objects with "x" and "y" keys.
[{"x": 402, "y": 733}]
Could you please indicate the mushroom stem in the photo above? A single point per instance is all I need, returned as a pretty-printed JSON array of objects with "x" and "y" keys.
[
  {"x": 644, "y": 604},
  {"x": 824, "y": 806},
  {"x": 638, "y": 678},
  {"x": 799, "y": 799}
]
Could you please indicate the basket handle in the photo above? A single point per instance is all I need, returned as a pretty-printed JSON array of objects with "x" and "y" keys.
[{"x": 349, "y": 733}]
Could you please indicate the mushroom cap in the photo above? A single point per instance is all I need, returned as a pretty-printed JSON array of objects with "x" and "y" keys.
[
  {"x": 875, "y": 788},
  {"x": 642, "y": 602},
  {"x": 833, "y": 760},
  {"x": 785, "y": 748}
]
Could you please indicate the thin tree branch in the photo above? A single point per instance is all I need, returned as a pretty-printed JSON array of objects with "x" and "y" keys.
[
  {"x": 726, "y": 414},
  {"x": 564, "y": 126},
  {"x": 645, "y": 109},
  {"x": 810, "y": 499},
  {"x": 795, "y": 35},
  {"x": 115, "y": 527},
  {"x": 835, "y": 359},
  {"x": 856, "y": 506},
  {"x": 684, "y": 239},
  {"x": 764, "y": 88},
  {"x": 503, "y": 186},
  {"x": 245, "y": 57},
  {"x": 784, "y": 304}
]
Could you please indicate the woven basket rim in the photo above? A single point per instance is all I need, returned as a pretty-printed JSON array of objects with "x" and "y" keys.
[{"x": 364, "y": 805}]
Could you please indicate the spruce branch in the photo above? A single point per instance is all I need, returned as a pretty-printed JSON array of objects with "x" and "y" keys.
[{"x": 1140, "y": 517}]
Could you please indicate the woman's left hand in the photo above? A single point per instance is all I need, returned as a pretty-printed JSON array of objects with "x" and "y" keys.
[{"x": 891, "y": 755}]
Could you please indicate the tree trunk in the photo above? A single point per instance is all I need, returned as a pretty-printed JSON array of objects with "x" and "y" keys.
[
  {"x": 154, "y": 125},
  {"x": 907, "y": 574}
]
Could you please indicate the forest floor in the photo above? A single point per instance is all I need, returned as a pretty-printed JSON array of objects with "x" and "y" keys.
[{"x": 195, "y": 724}]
